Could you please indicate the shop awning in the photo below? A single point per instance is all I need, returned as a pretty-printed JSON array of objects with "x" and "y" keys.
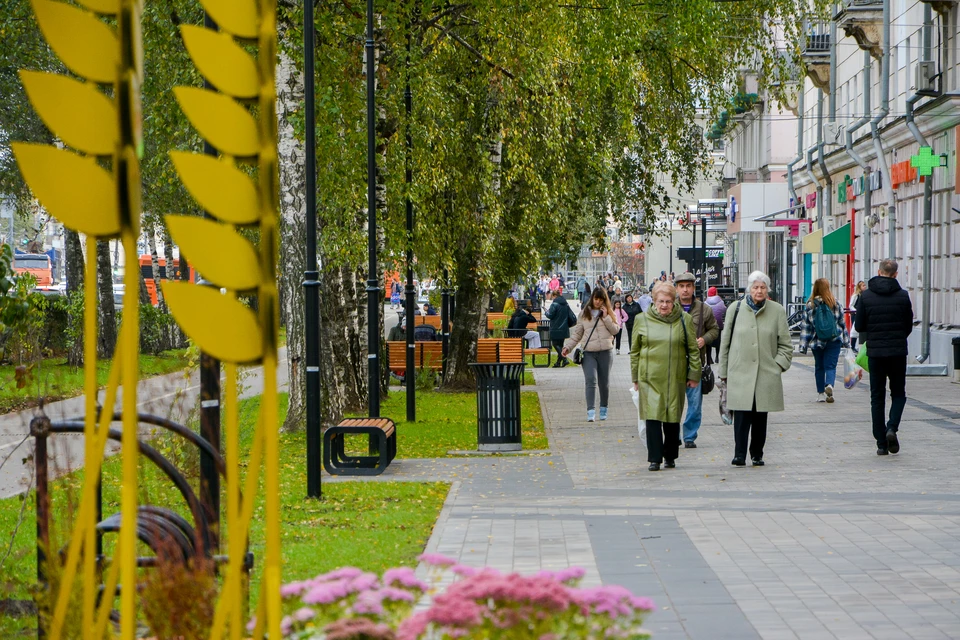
[
  {"x": 838, "y": 242},
  {"x": 813, "y": 242}
]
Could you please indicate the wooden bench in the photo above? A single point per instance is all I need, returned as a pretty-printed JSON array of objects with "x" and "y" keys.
[
  {"x": 427, "y": 355},
  {"x": 496, "y": 317},
  {"x": 495, "y": 350},
  {"x": 383, "y": 440},
  {"x": 433, "y": 321}
]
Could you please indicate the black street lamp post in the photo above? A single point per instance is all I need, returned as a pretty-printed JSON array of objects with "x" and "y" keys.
[
  {"x": 311, "y": 284},
  {"x": 373, "y": 288},
  {"x": 410, "y": 301}
]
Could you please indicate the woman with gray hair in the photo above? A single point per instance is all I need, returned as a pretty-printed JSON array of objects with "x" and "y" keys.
[{"x": 755, "y": 350}]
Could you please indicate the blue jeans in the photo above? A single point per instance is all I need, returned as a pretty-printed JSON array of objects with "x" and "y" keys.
[
  {"x": 825, "y": 364},
  {"x": 691, "y": 425}
]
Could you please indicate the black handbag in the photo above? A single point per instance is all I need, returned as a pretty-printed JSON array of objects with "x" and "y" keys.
[
  {"x": 578, "y": 351},
  {"x": 707, "y": 379}
]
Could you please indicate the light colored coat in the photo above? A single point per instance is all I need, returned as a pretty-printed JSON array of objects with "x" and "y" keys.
[
  {"x": 662, "y": 359},
  {"x": 602, "y": 338},
  {"x": 755, "y": 356}
]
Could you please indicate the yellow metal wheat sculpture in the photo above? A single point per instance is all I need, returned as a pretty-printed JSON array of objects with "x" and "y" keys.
[
  {"x": 93, "y": 186},
  {"x": 219, "y": 323},
  {"x": 99, "y": 129}
]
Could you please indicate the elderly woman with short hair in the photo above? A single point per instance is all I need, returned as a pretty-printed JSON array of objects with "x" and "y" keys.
[
  {"x": 664, "y": 358},
  {"x": 755, "y": 350}
]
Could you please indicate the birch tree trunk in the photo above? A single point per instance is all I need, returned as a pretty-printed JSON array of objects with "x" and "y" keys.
[
  {"x": 73, "y": 257},
  {"x": 107, "y": 342},
  {"x": 473, "y": 294},
  {"x": 293, "y": 258}
]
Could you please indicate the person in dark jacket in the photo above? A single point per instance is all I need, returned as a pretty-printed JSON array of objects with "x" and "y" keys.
[
  {"x": 632, "y": 307},
  {"x": 559, "y": 314},
  {"x": 517, "y": 327},
  {"x": 884, "y": 320}
]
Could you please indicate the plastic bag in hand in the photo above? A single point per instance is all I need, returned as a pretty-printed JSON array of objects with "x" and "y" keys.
[
  {"x": 641, "y": 423},
  {"x": 851, "y": 370},
  {"x": 725, "y": 414}
]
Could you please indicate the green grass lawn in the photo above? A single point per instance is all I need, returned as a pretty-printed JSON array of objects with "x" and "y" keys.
[
  {"x": 448, "y": 422},
  {"x": 371, "y": 525},
  {"x": 52, "y": 379}
]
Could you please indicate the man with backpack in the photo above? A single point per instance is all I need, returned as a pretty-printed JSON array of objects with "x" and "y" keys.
[
  {"x": 824, "y": 329},
  {"x": 561, "y": 318},
  {"x": 884, "y": 320}
]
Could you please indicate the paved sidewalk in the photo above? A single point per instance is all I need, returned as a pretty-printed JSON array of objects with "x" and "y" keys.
[{"x": 826, "y": 541}]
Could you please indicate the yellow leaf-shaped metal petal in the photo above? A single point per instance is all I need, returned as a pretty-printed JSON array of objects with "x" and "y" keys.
[
  {"x": 74, "y": 111},
  {"x": 85, "y": 44},
  {"x": 71, "y": 187},
  {"x": 239, "y": 17},
  {"x": 106, "y": 7},
  {"x": 218, "y": 186},
  {"x": 222, "y": 61},
  {"x": 219, "y": 324},
  {"x": 224, "y": 123},
  {"x": 222, "y": 255}
]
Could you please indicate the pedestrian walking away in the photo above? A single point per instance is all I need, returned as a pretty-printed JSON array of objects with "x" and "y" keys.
[
  {"x": 852, "y": 308},
  {"x": 622, "y": 317},
  {"x": 825, "y": 331},
  {"x": 596, "y": 327},
  {"x": 561, "y": 316},
  {"x": 395, "y": 295},
  {"x": 719, "y": 313},
  {"x": 706, "y": 333},
  {"x": 647, "y": 298},
  {"x": 664, "y": 360},
  {"x": 884, "y": 320},
  {"x": 755, "y": 350},
  {"x": 633, "y": 309}
]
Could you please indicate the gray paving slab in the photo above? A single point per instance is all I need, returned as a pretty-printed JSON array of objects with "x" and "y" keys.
[{"x": 827, "y": 540}]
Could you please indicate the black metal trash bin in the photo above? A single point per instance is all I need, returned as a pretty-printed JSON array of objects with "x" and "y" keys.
[{"x": 498, "y": 406}]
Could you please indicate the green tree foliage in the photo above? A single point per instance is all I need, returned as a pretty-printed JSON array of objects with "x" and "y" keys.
[{"x": 534, "y": 122}]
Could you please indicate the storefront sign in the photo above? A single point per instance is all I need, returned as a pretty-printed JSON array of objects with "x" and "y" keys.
[
  {"x": 902, "y": 173},
  {"x": 811, "y": 200},
  {"x": 850, "y": 189}
]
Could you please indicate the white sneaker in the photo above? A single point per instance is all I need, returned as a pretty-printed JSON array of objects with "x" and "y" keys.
[
  {"x": 590, "y": 415},
  {"x": 829, "y": 391},
  {"x": 821, "y": 398}
]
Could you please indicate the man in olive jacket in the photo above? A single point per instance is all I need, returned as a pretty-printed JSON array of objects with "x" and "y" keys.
[
  {"x": 559, "y": 315},
  {"x": 707, "y": 331}
]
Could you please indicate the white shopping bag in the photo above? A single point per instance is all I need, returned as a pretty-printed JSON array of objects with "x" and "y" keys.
[{"x": 641, "y": 424}]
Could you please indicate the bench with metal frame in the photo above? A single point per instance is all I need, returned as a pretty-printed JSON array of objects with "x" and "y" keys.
[{"x": 382, "y": 433}]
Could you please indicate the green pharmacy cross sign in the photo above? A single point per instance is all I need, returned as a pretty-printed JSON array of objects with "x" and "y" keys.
[{"x": 925, "y": 161}]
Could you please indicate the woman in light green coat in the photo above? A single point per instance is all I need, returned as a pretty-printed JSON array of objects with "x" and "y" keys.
[
  {"x": 664, "y": 357},
  {"x": 755, "y": 349}
]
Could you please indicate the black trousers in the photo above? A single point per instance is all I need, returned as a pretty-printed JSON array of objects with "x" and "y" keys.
[
  {"x": 618, "y": 337},
  {"x": 750, "y": 425},
  {"x": 558, "y": 345},
  {"x": 893, "y": 368},
  {"x": 629, "y": 335},
  {"x": 663, "y": 440}
]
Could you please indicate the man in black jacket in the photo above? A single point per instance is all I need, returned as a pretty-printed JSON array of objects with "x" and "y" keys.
[{"x": 884, "y": 320}]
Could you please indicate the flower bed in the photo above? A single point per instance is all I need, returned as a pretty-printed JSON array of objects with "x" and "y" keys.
[{"x": 349, "y": 604}]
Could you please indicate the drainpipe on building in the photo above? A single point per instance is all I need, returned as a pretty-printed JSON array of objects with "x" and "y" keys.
[
  {"x": 927, "y": 198},
  {"x": 793, "y": 191},
  {"x": 875, "y": 132},
  {"x": 824, "y": 206},
  {"x": 856, "y": 157}
]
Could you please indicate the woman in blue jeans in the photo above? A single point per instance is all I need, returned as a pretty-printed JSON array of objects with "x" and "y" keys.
[{"x": 825, "y": 331}]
